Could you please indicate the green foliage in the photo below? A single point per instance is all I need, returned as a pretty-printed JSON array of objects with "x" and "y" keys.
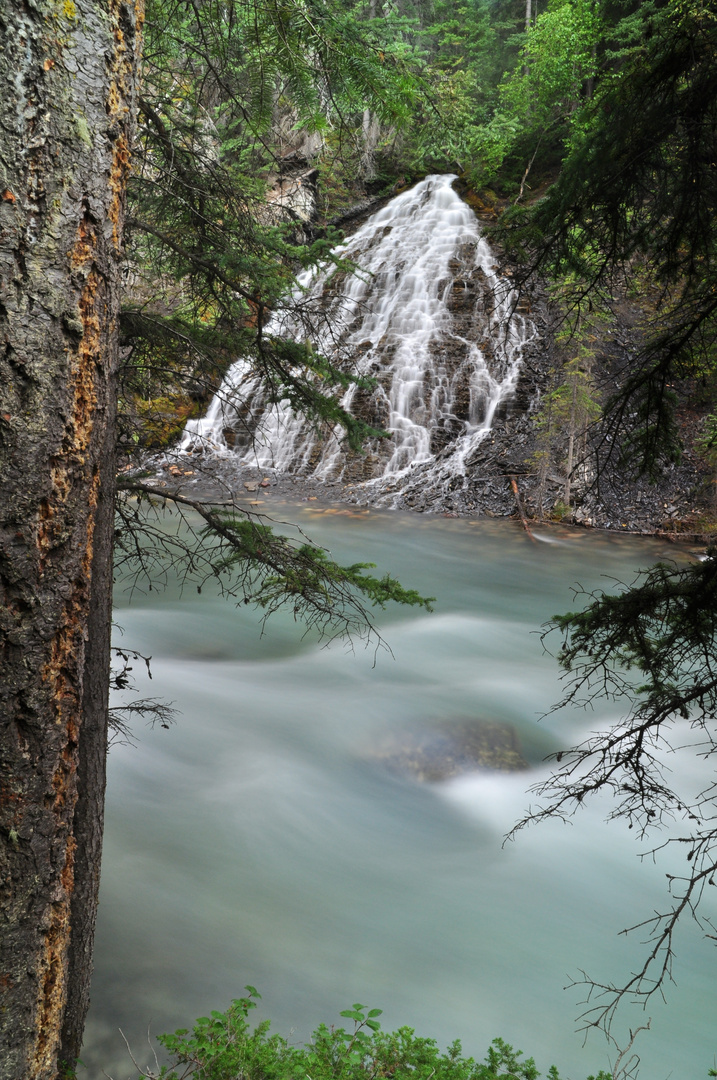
[
  {"x": 571, "y": 405},
  {"x": 304, "y": 576},
  {"x": 541, "y": 98},
  {"x": 455, "y": 46},
  {"x": 665, "y": 628},
  {"x": 248, "y": 561},
  {"x": 222, "y": 1046},
  {"x": 566, "y": 410},
  {"x": 212, "y": 259},
  {"x": 638, "y": 182}
]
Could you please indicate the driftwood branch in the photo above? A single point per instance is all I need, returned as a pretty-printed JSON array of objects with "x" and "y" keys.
[{"x": 521, "y": 511}]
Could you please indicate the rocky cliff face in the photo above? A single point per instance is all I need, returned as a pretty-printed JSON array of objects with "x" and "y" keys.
[{"x": 432, "y": 328}]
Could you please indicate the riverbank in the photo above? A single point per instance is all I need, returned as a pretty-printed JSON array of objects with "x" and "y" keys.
[{"x": 663, "y": 510}]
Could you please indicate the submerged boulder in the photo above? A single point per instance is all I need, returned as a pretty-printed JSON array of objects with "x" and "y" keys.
[{"x": 446, "y": 749}]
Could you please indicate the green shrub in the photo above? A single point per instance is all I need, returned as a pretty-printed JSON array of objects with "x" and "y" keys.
[{"x": 222, "y": 1046}]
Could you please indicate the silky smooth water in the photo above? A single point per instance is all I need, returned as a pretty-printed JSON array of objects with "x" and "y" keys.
[
  {"x": 420, "y": 261},
  {"x": 257, "y": 841}
]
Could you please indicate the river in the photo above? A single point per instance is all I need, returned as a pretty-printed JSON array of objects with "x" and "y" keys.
[{"x": 259, "y": 841}]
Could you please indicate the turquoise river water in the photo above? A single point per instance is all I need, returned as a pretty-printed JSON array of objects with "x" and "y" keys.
[{"x": 257, "y": 841}]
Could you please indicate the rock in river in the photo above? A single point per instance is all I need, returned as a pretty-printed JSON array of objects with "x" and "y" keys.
[{"x": 442, "y": 750}]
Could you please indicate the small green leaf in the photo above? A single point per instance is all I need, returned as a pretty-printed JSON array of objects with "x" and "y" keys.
[{"x": 352, "y": 1014}]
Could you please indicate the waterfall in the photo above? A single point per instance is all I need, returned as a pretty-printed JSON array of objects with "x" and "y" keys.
[{"x": 427, "y": 316}]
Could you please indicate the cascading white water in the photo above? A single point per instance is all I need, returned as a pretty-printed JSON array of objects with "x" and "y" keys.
[{"x": 427, "y": 316}]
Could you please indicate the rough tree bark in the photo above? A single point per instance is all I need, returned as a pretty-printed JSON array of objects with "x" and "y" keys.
[{"x": 67, "y": 80}]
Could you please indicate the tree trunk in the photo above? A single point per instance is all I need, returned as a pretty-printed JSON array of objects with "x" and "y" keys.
[
  {"x": 528, "y": 21},
  {"x": 370, "y": 129},
  {"x": 67, "y": 77},
  {"x": 572, "y": 428}
]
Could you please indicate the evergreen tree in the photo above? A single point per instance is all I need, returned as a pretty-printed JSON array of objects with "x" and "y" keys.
[
  {"x": 212, "y": 261},
  {"x": 637, "y": 192}
]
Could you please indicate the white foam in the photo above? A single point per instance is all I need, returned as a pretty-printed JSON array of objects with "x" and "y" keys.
[{"x": 393, "y": 317}]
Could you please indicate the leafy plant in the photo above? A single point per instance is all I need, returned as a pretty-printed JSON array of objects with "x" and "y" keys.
[{"x": 222, "y": 1046}]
